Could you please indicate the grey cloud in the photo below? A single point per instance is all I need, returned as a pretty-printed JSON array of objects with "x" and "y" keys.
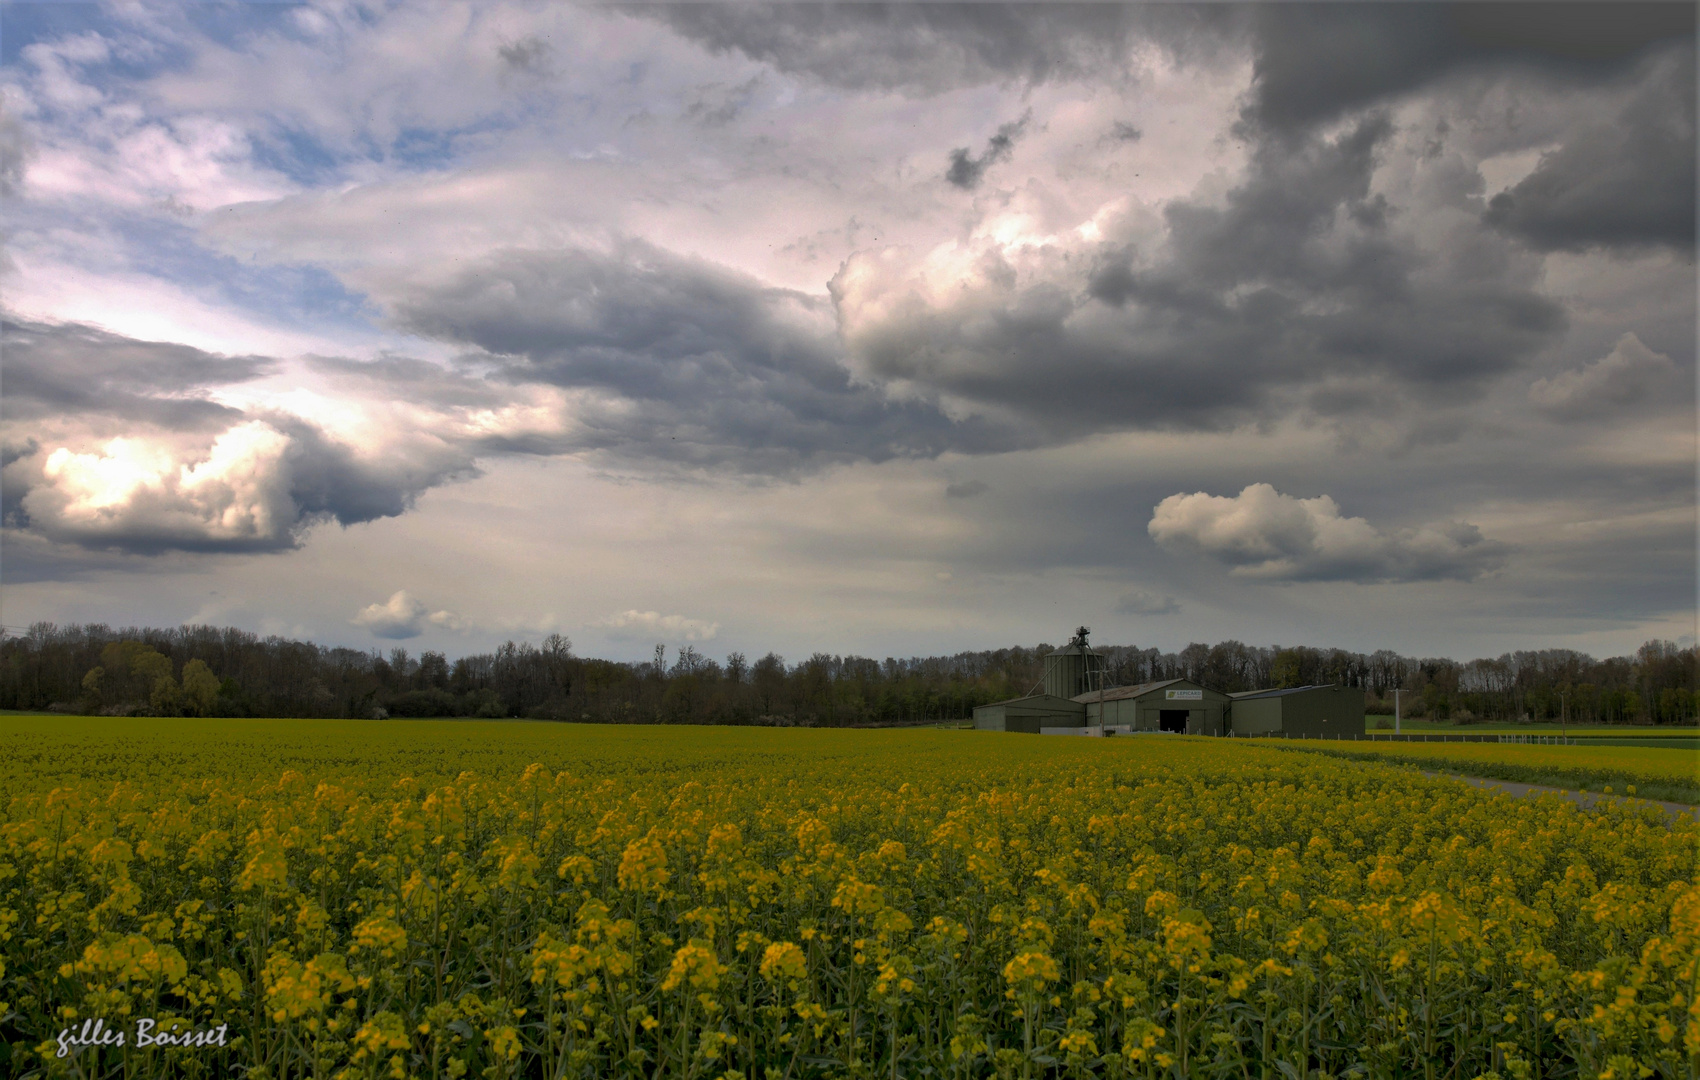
[
  {"x": 1140, "y": 602},
  {"x": 1630, "y": 376},
  {"x": 1265, "y": 535},
  {"x": 966, "y": 489},
  {"x": 55, "y": 369},
  {"x": 966, "y": 172},
  {"x": 15, "y": 149},
  {"x": 1627, "y": 181},
  {"x": 1315, "y": 62},
  {"x": 680, "y": 361},
  {"x": 718, "y": 105},
  {"x": 528, "y": 54},
  {"x": 1293, "y": 280},
  {"x": 929, "y": 47}
]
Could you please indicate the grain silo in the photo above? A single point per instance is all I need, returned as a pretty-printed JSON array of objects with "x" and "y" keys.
[{"x": 1074, "y": 669}]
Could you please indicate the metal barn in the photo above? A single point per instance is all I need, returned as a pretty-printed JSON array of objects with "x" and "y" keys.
[
  {"x": 1031, "y": 714},
  {"x": 1306, "y": 711},
  {"x": 1175, "y": 705}
]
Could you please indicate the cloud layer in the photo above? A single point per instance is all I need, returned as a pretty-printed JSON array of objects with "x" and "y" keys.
[
  {"x": 887, "y": 311},
  {"x": 647, "y": 625}
]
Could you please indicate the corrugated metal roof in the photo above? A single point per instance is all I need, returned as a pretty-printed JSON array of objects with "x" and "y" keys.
[
  {"x": 1282, "y": 692},
  {"x": 1121, "y": 693},
  {"x": 1029, "y": 699}
]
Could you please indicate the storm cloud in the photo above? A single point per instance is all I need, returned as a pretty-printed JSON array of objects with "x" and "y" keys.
[
  {"x": 1623, "y": 181},
  {"x": 1316, "y": 62},
  {"x": 676, "y": 360},
  {"x": 930, "y": 47},
  {"x": 1294, "y": 280}
]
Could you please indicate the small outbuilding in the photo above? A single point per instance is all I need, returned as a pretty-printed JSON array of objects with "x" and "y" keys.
[
  {"x": 1305, "y": 711},
  {"x": 1175, "y": 705}
]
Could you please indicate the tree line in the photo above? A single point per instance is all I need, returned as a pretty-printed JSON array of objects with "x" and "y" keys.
[{"x": 212, "y": 671}]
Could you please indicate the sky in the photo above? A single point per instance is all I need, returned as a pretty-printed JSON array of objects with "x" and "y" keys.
[{"x": 869, "y": 329}]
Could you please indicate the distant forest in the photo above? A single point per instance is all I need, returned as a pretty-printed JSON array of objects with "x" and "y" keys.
[{"x": 209, "y": 671}]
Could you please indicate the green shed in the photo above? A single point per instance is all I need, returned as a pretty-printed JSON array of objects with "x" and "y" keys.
[
  {"x": 1175, "y": 705},
  {"x": 1310, "y": 711}
]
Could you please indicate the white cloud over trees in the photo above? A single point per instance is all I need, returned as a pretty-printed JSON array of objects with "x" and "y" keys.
[
  {"x": 1265, "y": 535},
  {"x": 403, "y": 616}
]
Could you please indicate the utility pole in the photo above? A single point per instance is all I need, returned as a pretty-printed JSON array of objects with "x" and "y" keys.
[
  {"x": 1396, "y": 728},
  {"x": 1563, "y": 717}
]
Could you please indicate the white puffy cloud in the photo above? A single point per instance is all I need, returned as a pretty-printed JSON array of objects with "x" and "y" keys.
[
  {"x": 403, "y": 616},
  {"x": 652, "y": 624},
  {"x": 1628, "y": 375},
  {"x": 1261, "y": 533},
  {"x": 147, "y": 446},
  {"x": 141, "y": 492}
]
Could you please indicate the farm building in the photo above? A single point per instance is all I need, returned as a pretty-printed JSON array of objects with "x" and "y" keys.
[
  {"x": 1171, "y": 705},
  {"x": 1075, "y": 701},
  {"x": 1069, "y": 671},
  {"x": 1303, "y": 710},
  {"x": 1032, "y": 714}
]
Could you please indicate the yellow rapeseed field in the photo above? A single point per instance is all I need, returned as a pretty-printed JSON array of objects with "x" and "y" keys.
[{"x": 527, "y": 900}]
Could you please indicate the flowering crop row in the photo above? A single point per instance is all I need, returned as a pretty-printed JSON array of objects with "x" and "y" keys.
[{"x": 507, "y": 900}]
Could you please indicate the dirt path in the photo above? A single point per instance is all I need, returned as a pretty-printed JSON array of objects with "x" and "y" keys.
[{"x": 1673, "y": 810}]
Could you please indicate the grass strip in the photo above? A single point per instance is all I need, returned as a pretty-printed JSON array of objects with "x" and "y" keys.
[{"x": 1578, "y": 776}]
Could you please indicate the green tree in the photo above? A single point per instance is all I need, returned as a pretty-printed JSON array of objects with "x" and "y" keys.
[
  {"x": 94, "y": 687},
  {"x": 1287, "y": 670},
  {"x": 129, "y": 672},
  {"x": 200, "y": 688},
  {"x": 165, "y": 698}
]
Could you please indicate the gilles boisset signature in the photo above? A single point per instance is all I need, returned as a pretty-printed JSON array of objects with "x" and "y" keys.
[{"x": 147, "y": 1033}]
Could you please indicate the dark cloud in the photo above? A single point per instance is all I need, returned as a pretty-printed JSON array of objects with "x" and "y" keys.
[
  {"x": 682, "y": 361},
  {"x": 929, "y": 47},
  {"x": 15, "y": 150},
  {"x": 718, "y": 105},
  {"x": 1291, "y": 281},
  {"x": 1624, "y": 182},
  {"x": 1318, "y": 61},
  {"x": 966, "y": 172},
  {"x": 58, "y": 369},
  {"x": 528, "y": 54},
  {"x": 966, "y": 489}
]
